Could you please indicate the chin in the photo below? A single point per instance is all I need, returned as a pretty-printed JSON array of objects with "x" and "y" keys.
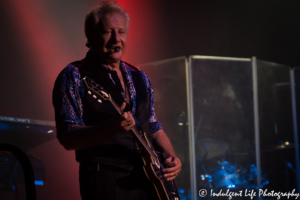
[{"x": 116, "y": 57}]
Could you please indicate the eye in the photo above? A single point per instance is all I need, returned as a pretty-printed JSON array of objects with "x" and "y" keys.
[{"x": 106, "y": 32}]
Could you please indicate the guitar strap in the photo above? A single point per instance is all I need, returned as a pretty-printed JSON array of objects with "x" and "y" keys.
[{"x": 142, "y": 99}]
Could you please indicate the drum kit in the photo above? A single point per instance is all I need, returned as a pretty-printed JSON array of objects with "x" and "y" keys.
[
  {"x": 226, "y": 167},
  {"x": 222, "y": 166}
]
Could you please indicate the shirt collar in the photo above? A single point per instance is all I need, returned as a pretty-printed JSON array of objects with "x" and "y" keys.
[{"x": 92, "y": 58}]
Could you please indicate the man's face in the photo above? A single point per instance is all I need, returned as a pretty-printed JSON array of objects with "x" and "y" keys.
[{"x": 113, "y": 33}]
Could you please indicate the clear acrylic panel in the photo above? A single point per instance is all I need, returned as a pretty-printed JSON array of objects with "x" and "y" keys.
[
  {"x": 230, "y": 121},
  {"x": 223, "y": 128},
  {"x": 168, "y": 79},
  {"x": 295, "y": 82},
  {"x": 277, "y": 145}
]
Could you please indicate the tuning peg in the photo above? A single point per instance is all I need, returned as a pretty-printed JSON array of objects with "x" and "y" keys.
[
  {"x": 89, "y": 92},
  {"x": 94, "y": 96},
  {"x": 99, "y": 100}
]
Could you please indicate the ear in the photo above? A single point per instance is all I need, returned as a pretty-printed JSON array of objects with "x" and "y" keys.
[
  {"x": 90, "y": 41},
  {"x": 88, "y": 45}
]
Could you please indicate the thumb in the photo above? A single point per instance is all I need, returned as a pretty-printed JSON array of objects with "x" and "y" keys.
[
  {"x": 168, "y": 162},
  {"x": 123, "y": 106},
  {"x": 169, "y": 159}
]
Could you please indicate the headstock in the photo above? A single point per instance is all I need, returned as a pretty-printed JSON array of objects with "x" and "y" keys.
[{"x": 96, "y": 90}]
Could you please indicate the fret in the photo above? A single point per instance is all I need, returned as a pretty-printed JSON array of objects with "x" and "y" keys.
[{"x": 166, "y": 190}]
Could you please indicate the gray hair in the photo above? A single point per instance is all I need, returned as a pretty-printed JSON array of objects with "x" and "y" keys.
[{"x": 92, "y": 19}]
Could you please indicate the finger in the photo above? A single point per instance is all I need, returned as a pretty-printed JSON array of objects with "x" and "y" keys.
[
  {"x": 171, "y": 176},
  {"x": 131, "y": 122},
  {"x": 129, "y": 116},
  {"x": 123, "y": 106},
  {"x": 127, "y": 124},
  {"x": 169, "y": 159},
  {"x": 175, "y": 161},
  {"x": 175, "y": 173},
  {"x": 173, "y": 168},
  {"x": 125, "y": 115},
  {"x": 124, "y": 123},
  {"x": 171, "y": 164}
]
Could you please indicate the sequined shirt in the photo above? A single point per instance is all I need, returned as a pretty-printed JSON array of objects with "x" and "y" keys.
[{"x": 68, "y": 100}]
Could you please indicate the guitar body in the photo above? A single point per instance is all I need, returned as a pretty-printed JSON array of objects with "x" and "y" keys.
[{"x": 166, "y": 190}]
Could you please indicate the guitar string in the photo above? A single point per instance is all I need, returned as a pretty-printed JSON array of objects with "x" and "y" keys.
[{"x": 142, "y": 140}]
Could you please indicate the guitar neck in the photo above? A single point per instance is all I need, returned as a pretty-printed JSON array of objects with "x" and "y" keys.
[
  {"x": 102, "y": 94},
  {"x": 139, "y": 134},
  {"x": 153, "y": 168}
]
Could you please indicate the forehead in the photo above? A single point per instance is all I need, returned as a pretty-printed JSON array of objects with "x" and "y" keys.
[{"x": 114, "y": 20}]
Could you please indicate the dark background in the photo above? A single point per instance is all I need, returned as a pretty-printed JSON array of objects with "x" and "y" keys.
[{"x": 40, "y": 37}]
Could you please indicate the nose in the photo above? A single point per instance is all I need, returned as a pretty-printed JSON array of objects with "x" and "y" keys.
[{"x": 115, "y": 37}]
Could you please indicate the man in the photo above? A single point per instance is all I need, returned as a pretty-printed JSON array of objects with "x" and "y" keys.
[{"x": 109, "y": 154}]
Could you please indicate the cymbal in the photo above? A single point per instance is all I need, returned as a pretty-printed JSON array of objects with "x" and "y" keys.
[
  {"x": 211, "y": 148},
  {"x": 278, "y": 147}
]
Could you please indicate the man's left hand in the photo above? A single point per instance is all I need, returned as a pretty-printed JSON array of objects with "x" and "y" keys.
[{"x": 173, "y": 168}]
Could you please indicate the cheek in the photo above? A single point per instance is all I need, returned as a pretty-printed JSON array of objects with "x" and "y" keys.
[
  {"x": 124, "y": 40},
  {"x": 102, "y": 40}
]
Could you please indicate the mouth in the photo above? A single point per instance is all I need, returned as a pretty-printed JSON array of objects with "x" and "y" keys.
[{"x": 115, "y": 49}]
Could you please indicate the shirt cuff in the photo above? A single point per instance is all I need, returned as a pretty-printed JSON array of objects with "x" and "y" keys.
[
  {"x": 154, "y": 127},
  {"x": 64, "y": 126}
]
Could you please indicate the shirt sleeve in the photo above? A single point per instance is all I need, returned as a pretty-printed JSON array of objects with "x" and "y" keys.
[
  {"x": 155, "y": 125},
  {"x": 67, "y": 93}
]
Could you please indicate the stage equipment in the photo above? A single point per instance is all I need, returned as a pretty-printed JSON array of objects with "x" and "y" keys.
[
  {"x": 235, "y": 110},
  {"x": 295, "y": 80},
  {"x": 210, "y": 148},
  {"x": 25, "y": 134}
]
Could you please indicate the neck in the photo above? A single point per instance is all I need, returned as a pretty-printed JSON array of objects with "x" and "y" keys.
[{"x": 114, "y": 66}]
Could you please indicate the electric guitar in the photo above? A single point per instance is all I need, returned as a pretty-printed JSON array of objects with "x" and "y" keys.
[{"x": 166, "y": 190}]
